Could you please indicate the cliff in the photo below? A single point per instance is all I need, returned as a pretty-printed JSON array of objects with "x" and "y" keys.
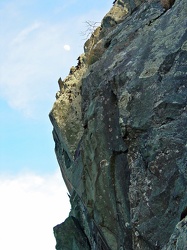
[{"x": 120, "y": 132}]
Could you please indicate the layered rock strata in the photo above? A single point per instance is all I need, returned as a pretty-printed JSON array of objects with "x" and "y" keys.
[{"x": 120, "y": 132}]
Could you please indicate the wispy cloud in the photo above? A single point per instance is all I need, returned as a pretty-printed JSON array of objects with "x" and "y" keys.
[
  {"x": 30, "y": 206},
  {"x": 33, "y": 62},
  {"x": 26, "y": 32}
]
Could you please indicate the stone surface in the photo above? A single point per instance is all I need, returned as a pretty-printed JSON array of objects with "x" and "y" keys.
[
  {"x": 69, "y": 235},
  {"x": 120, "y": 131},
  {"x": 178, "y": 239}
]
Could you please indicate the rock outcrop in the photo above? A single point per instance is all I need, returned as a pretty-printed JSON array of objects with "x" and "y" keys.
[{"x": 120, "y": 132}]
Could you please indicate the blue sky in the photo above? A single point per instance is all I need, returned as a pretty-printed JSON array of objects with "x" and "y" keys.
[{"x": 33, "y": 57}]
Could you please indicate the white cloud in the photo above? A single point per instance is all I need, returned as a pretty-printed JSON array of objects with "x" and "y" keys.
[{"x": 31, "y": 206}]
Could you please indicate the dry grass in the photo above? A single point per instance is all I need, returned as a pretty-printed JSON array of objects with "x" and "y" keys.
[{"x": 95, "y": 53}]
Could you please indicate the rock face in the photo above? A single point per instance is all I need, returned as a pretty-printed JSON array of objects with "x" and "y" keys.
[{"x": 120, "y": 131}]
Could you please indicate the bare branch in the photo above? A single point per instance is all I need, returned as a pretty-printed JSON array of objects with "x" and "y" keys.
[{"x": 90, "y": 27}]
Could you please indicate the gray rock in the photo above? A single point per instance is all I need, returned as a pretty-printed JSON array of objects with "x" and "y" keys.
[
  {"x": 178, "y": 239},
  {"x": 69, "y": 235},
  {"x": 122, "y": 142}
]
